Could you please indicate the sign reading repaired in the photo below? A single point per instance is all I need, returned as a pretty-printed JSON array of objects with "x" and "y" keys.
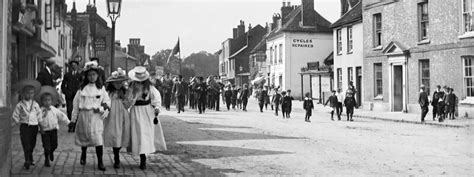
[{"x": 303, "y": 43}]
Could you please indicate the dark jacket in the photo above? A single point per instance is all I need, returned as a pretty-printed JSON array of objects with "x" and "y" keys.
[
  {"x": 423, "y": 100},
  {"x": 332, "y": 101},
  {"x": 262, "y": 95},
  {"x": 350, "y": 102},
  {"x": 201, "y": 90},
  {"x": 286, "y": 102},
  {"x": 71, "y": 84},
  {"x": 450, "y": 99},
  {"x": 276, "y": 98},
  {"x": 180, "y": 88},
  {"x": 45, "y": 78},
  {"x": 436, "y": 96},
  {"x": 308, "y": 104},
  {"x": 244, "y": 94}
]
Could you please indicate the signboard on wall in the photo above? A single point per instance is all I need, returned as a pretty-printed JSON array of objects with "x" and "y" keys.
[
  {"x": 100, "y": 44},
  {"x": 302, "y": 43}
]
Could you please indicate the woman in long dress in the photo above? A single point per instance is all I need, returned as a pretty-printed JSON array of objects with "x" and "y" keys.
[
  {"x": 117, "y": 125},
  {"x": 146, "y": 132},
  {"x": 90, "y": 107}
]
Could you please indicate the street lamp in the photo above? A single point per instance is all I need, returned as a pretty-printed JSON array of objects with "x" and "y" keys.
[{"x": 113, "y": 8}]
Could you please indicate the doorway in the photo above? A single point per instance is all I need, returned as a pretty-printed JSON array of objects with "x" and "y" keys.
[
  {"x": 397, "y": 88},
  {"x": 359, "y": 85}
]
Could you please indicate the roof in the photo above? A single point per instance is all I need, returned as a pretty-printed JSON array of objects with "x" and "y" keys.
[
  {"x": 238, "y": 52},
  {"x": 329, "y": 60},
  {"x": 293, "y": 24},
  {"x": 260, "y": 47},
  {"x": 242, "y": 42},
  {"x": 353, "y": 15}
]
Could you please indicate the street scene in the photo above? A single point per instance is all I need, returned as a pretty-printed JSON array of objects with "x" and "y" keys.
[
  {"x": 236, "y": 88},
  {"x": 237, "y": 143}
]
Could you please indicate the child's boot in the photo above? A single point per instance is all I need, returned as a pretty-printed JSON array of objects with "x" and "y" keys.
[{"x": 46, "y": 158}]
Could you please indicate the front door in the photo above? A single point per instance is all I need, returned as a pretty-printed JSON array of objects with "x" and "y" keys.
[
  {"x": 397, "y": 88},
  {"x": 359, "y": 85}
]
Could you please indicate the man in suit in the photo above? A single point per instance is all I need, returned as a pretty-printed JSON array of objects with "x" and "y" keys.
[
  {"x": 424, "y": 102},
  {"x": 45, "y": 76},
  {"x": 201, "y": 90},
  {"x": 167, "y": 86},
  {"x": 71, "y": 83},
  {"x": 180, "y": 89}
]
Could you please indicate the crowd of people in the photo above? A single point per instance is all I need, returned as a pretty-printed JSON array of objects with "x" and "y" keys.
[{"x": 444, "y": 103}]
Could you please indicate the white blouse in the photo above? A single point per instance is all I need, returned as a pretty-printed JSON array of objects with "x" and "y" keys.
[
  {"x": 50, "y": 119},
  {"x": 89, "y": 98}
]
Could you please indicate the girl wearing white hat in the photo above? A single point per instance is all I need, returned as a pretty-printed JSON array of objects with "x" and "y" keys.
[
  {"x": 146, "y": 132},
  {"x": 90, "y": 107}
]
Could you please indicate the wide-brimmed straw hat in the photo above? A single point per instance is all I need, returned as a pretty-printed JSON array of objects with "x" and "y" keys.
[
  {"x": 118, "y": 75},
  {"x": 139, "y": 73},
  {"x": 29, "y": 82},
  {"x": 92, "y": 65},
  {"x": 48, "y": 90}
]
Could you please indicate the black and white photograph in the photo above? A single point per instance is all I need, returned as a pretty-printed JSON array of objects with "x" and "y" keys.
[{"x": 236, "y": 88}]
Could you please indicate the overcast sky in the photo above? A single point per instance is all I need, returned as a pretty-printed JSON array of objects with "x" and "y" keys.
[{"x": 200, "y": 24}]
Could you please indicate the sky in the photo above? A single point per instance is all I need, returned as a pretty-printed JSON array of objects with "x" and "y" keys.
[{"x": 201, "y": 25}]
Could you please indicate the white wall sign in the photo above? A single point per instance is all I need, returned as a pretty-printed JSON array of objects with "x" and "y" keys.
[{"x": 302, "y": 43}]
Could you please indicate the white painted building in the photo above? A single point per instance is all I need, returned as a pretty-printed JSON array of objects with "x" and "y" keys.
[
  {"x": 300, "y": 35},
  {"x": 349, "y": 50}
]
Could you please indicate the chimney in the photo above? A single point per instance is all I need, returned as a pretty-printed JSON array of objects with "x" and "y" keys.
[
  {"x": 250, "y": 26},
  {"x": 285, "y": 11},
  {"x": 241, "y": 28},
  {"x": 276, "y": 18},
  {"x": 234, "y": 33},
  {"x": 134, "y": 41},
  {"x": 308, "y": 14}
]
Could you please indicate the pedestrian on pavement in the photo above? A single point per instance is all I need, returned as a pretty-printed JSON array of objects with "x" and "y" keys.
[
  {"x": 352, "y": 88},
  {"x": 340, "y": 99},
  {"x": 436, "y": 95},
  {"x": 45, "y": 76},
  {"x": 71, "y": 83},
  {"x": 239, "y": 98},
  {"x": 49, "y": 122},
  {"x": 285, "y": 104},
  {"x": 179, "y": 89},
  {"x": 350, "y": 103},
  {"x": 283, "y": 107},
  {"x": 276, "y": 101},
  {"x": 332, "y": 100},
  {"x": 424, "y": 102},
  {"x": 244, "y": 96},
  {"x": 201, "y": 89},
  {"x": 450, "y": 99},
  {"x": 441, "y": 109},
  {"x": 146, "y": 132},
  {"x": 271, "y": 94},
  {"x": 90, "y": 108},
  {"x": 290, "y": 104},
  {"x": 27, "y": 113},
  {"x": 308, "y": 107},
  {"x": 261, "y": 95},
  {"x": 117, "y": 125},
  {"x": 228, "y": 96}
]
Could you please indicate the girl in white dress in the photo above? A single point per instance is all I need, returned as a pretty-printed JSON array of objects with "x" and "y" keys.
[
  {"x": 90, "y": 107},
  {"x": 146, "y": 132},
  {"x": 117, "y": 125}
]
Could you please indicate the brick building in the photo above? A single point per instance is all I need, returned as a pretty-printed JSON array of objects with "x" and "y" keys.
[
  {"x": 410, "y": 43},
  {"x": 136, "y": 50}
]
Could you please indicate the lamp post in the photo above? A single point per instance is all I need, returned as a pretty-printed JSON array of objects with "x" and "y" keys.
[{"x": 113, "y": 8}]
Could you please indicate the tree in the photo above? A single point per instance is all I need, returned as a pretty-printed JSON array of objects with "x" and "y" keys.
[{"x": 203, "y": 63}]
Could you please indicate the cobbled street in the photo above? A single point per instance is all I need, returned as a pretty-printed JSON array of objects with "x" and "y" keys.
[{"x": 238, "y": 143}]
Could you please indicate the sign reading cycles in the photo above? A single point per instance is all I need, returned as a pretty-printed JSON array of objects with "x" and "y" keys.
[{"x": 302, "y": 43}]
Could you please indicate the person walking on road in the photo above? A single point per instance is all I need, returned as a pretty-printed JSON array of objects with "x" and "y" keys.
[
  {"x": 308, "y": 107},
  {"x": 290, "y": 103},
  {"x": 167, "y": 86},
  {"x": 90, "y": 107},
  {"x": 340, "y": 99},
  {"x": 244, "y": 96},
  {"x": 117, "y": 125},
  {"x": 350, "y": 103},
  {"x": 332, "y": 100},
  {"x": 179, "y": 89},
  {"x": 228, "y": 96},
  {"x": 201, "y": 89},
  {"x": 261, "y": 95},
  {"x": 276, "y": 101},
  {"x": 146, "y": 131},
  {"x": 424, "y": 102}
]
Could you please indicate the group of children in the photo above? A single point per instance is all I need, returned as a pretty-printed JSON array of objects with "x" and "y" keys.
[
  {"x": 444, "y": 103},
  {"x": 336, "y": 103},
  {"x": 111, "y": 116},
  {"x": 236, "y": 97},
  {"x": 34, "y": 117}
]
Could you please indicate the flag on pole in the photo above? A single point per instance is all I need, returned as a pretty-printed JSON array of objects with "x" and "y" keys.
[{"x": 175, "y": 51}]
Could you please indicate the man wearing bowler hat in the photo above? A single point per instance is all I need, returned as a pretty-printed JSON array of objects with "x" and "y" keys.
[{"x": 71, "y": 83}]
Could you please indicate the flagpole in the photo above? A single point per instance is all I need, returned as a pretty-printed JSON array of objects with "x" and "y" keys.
[{"x": 180, "y": 60}]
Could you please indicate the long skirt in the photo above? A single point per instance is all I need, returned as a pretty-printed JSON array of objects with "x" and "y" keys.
[
  {"x": 89, "y": 129},
  {"x": 146, "y": 137},
  {"x": 117, "y": 126}
]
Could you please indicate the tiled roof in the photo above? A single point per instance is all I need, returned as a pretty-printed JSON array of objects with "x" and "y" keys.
[
  {"x": 261, "y": 46},
  {"x": 293, "y": 24},
  {"x": 353, "y": 15}
]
